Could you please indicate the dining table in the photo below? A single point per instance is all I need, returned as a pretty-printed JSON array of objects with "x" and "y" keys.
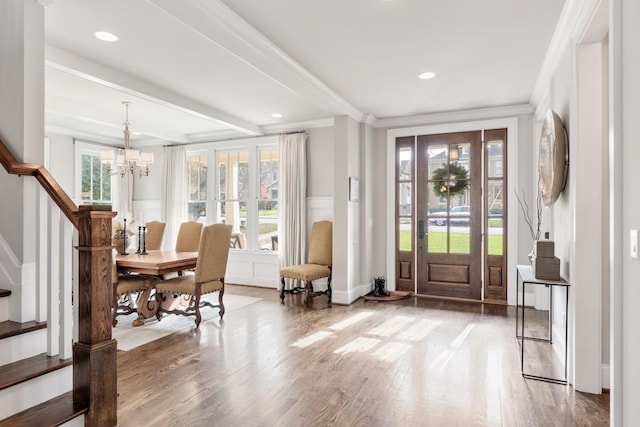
[{"x": 152, "y": 267}]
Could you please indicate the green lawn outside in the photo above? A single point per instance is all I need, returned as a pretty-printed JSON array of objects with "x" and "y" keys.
[{"x": 459, "y": 242}]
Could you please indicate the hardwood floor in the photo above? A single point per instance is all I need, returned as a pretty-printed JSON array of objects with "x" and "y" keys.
[{"x": 418, "y": 362}]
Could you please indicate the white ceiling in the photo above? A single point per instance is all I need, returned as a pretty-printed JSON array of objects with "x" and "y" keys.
[{"x": 202, "y": 70}]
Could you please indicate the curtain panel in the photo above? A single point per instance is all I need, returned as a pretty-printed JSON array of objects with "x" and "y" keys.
[
  {"x": 174, "y": 189},
  {"x": 293, "y": 200}
]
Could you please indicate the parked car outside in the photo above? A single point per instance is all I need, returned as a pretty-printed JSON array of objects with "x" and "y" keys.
[{"x": 457, "y": 211}]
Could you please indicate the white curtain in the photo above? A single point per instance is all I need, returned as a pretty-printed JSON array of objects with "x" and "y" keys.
[
  {"x": 292, "y": 195},
  {"x": 174, "y": 191}
]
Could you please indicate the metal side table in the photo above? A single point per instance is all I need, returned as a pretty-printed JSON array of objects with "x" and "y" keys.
[{"x": 525, "y": 276}]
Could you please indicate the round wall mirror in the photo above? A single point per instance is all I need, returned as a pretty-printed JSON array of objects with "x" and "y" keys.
[{"x": 553, "y": 158}]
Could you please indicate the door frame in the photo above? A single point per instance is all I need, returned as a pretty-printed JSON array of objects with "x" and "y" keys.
[{"x": 511, "y": 124}]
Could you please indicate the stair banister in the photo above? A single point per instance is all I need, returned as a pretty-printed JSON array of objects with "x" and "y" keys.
[{"x": 94, "y": 354}]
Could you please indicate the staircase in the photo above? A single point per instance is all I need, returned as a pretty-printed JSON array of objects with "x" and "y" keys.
[
  {"x": 60, "y": 368},
  {"x": 31, "y": 381}
]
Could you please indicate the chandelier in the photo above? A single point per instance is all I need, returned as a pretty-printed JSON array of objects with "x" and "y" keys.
[{"x": 134, "y": 162}]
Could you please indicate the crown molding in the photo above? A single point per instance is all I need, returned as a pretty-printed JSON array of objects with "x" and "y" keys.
[
  {"x": 455, "y": 116},
  {"x": 573, "y": 21},
  {"x": 216, "y": 22},
  {"x": 298, "y": 126},
  {"x": 218, "y": 135}
]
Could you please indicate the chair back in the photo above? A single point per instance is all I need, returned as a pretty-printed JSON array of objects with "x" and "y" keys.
[
  {"x": 155, "y": 234},
  {"x": 213, "y": 253},
  {"x": 321, "y": 243},
  {"x": 189, "y": 237}
]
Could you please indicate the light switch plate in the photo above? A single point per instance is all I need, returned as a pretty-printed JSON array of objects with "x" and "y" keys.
[{"x": 633, "y": 244}]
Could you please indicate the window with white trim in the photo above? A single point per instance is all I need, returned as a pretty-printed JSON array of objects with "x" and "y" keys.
[
  {"x": 93, "y": 181},
  {"x": 237, "y": 185}
]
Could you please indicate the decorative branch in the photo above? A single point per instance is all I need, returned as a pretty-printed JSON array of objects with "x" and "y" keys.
[{"x": 535, "y": 235}]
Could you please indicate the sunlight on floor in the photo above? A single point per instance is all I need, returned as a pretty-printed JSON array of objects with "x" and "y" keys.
[
  {"x": 441, "y": 361},
  {"x": 350, "y": 321},
  {"x": 420, "y": 330},
  {"x": 312, "y": 339},
  {"x": 358, "y": 345},
  {"x": 391, "y": 352},
  {"x": 391, "y": 326},
  {"x": 457, "y": 342}
]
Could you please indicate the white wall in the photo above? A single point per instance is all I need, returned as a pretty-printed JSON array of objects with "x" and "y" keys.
[
  {"x": 21, "y": 118},
  {"x": 320, "y": 162},
  {"x": 629, "y": 61},
  {"x": 61, "y": 165}
]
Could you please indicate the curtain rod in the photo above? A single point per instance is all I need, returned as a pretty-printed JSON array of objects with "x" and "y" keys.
[{"x": 293, "y": 132}]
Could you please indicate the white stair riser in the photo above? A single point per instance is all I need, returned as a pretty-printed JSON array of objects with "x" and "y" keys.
[
  {"x": 30, "y": 393},
  {"x": 4, "y": 309},
  {"x": 22, "y": 346}
]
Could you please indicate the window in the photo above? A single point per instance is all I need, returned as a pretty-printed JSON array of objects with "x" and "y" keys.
[
  {"x": 95, "y": 182},
  {"x": 198, "y": 165},
  {"x": 268, "y": 199},
  {"x": 233, "y": 193},
  {"x": 237, "y": 185}
]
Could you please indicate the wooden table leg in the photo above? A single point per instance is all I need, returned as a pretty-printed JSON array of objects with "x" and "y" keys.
[{"x": 146, "y": 307}]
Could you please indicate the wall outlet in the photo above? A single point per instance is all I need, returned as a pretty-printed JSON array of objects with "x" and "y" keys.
[{"x": 633, "y": 244}]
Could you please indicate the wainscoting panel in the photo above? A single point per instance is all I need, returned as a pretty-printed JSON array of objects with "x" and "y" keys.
[{"x": 253, "y": 268}]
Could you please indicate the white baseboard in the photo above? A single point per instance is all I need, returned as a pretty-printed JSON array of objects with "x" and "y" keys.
[
  {"x": 348, "y": 297},
  {"x": 606, "y": 377}
]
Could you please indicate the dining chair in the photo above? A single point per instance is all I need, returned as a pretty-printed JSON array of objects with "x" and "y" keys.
[
  {"x": 318, "y": 264},
  {"x": 211, "y": 268},
  {"x": 188, "y": 238},
  {"x": 155, "y": 235},
  {"x": 124, "y": 288}
]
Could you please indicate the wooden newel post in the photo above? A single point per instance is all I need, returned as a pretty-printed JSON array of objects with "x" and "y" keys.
[{"x": 94, "y": 355}]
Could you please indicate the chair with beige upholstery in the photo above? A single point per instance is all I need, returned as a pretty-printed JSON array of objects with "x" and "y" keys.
[
  {"x": 155, "y": 234},
  {"x": 124, "y": 288},
  {"x": 211, "y": 268},
  {"x": 189, "y": 237},
  {"x": 318, "y": 265}
]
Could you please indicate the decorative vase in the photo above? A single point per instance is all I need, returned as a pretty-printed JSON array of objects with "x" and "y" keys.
[
  {"x": 532, "y": 254},
  {"x": 118, "y": 240}
]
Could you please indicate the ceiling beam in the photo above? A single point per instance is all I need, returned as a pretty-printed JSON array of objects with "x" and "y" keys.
[
  {"x": 220, "y": 25},
  {"x": 67, "y": 62}
]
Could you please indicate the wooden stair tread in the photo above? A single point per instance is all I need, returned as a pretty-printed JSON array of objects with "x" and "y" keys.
[
  {"x": 29, "y": 368},
  {"x": 51, "y": 413},
  {"x": 4, "y": 293},
  {"x": 10, "y": 329}
]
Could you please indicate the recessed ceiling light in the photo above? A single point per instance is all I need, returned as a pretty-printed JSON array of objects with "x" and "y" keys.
[
  {"x": 276, "y": 115},
  {"x": 427, "y": 75},
  {"x": 106, "y": 36}
]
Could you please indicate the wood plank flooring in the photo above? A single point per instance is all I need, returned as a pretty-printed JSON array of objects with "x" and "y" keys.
[{"x": 417, "y": 362}]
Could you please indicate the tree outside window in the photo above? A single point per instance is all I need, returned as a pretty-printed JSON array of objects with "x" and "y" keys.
[{"x": 95, "y": 181}]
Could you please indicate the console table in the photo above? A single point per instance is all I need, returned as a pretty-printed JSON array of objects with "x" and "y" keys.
[{"x": 525, "y": 277}]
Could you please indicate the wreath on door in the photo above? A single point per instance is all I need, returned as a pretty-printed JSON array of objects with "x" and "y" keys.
[{"x": 453, "y": 181}]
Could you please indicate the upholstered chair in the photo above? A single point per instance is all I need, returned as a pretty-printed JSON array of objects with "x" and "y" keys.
[
  {"x": 155, "y": 234},
  {"x": 189, "y": 237},
  {"x": 211, "y": 268},
  {"x": 124, "y": 289},
  {"x": 318, "y": 264}
]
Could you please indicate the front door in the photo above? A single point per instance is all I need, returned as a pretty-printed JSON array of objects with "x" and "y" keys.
[{"x": 449, "y": 215}]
